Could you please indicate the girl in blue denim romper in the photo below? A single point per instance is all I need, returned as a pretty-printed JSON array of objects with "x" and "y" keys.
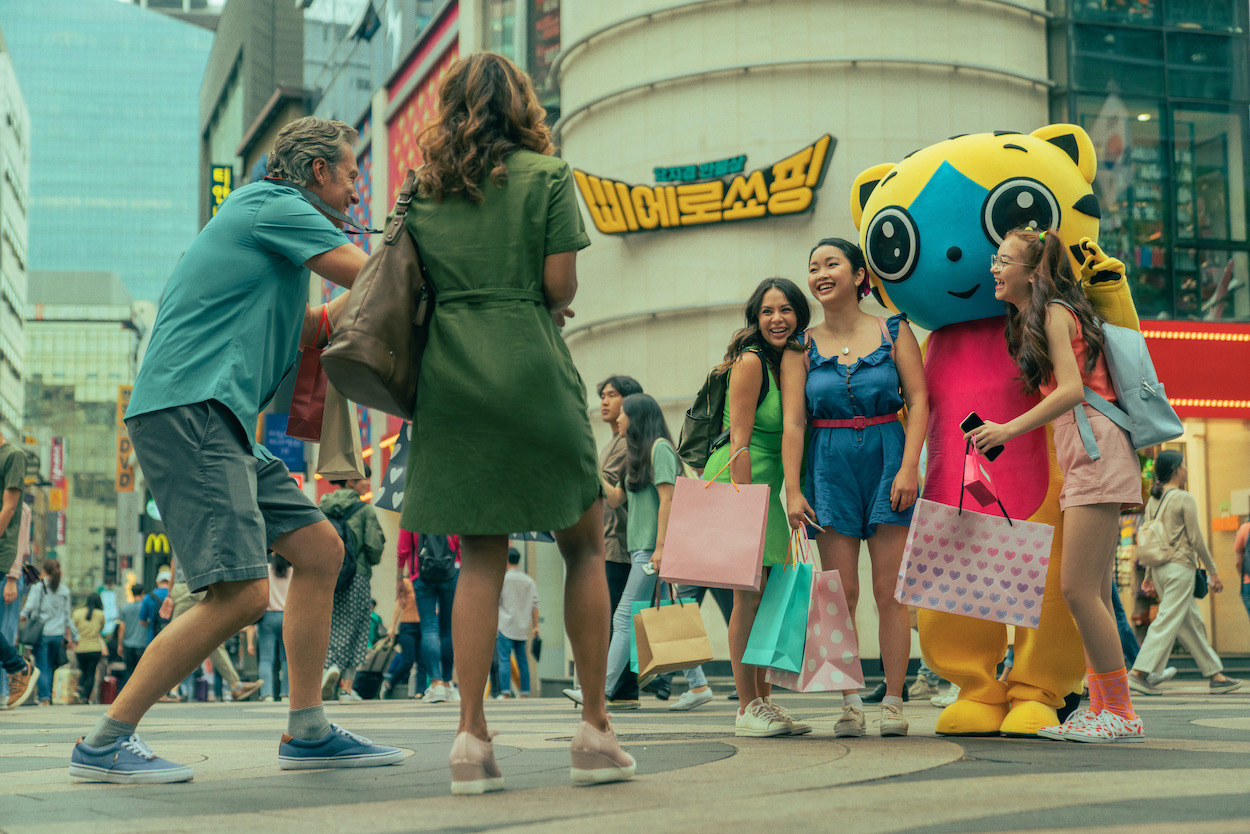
[{"x": 862, "y": 473}]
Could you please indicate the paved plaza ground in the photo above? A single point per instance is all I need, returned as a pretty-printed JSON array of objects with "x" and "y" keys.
[{"x": 1192, "y": 774}]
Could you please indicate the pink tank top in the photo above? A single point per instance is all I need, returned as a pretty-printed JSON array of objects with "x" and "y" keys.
[{"x": 1096, "y": 380}]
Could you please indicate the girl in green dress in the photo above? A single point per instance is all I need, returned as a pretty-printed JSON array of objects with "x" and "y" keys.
[
  {"x": 775, "y": 314},
  {"x": 501, "y": 440}
]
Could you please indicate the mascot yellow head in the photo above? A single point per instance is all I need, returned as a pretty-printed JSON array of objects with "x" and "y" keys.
[{"x": 929, "y": 224}]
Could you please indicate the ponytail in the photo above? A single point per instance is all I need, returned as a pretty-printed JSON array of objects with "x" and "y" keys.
[
  {"x": 1166, "y": 464},
  {"x": 53, "y": 569}
]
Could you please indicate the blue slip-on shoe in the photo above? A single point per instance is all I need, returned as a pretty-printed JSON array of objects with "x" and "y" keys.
[
  {"x": 127, "y": 761},
  {"x": 338, "y": 748}
]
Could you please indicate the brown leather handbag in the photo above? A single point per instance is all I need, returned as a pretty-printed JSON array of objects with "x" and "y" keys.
[{"x": 374, "y": 356}]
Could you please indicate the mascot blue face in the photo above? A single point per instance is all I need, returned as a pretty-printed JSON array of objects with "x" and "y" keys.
[{"x": 929, "y": 224}]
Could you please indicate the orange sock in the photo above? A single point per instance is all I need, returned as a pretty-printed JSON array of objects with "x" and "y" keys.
[
  {"x": 1114, "y": 691},
  {"x": 1096, "y": 703}
]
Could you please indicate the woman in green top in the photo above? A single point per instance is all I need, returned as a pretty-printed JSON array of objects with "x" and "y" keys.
[
  {"x": 501, "y": 440},
  {"x": 775, "y": 314}
]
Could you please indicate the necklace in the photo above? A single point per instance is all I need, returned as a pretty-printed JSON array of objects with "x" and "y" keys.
[{"x": 846, "y": 342}]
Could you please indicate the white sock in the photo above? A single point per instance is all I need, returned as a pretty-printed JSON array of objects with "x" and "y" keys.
[
  {"x": 853, "y": 700},
  {"x": 896, "y": 700}
]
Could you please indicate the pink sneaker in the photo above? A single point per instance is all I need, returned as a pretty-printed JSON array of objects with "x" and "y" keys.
[
  {"x": 598, "y": 757},
  {"x": 1108, "y": 727},
  {"x": 473, "y": 768}
]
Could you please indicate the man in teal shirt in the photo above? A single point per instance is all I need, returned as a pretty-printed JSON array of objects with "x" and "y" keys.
[{"x": 230, "y": 326}]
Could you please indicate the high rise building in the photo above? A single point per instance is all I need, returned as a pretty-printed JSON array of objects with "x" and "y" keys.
[
  {"x": 14, "y": 198},
  {"x": 80, "y": 360},
  {"x": 200, "y": 12},
  {"x": 113, "y": 95}
]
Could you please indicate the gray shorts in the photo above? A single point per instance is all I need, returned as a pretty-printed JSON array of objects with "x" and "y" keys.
[{"x": 222, "y": 506}]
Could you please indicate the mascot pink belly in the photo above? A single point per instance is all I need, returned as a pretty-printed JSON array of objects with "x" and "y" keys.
[{"x": 968, "y": 369}]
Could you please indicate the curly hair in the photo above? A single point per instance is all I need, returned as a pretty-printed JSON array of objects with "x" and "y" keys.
[
  {"x": 486, "y": 110},
  {"x": 1053, "y": 280}
]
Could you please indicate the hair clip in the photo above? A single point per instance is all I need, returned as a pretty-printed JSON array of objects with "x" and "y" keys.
[{"x": 1041, "y": 236}]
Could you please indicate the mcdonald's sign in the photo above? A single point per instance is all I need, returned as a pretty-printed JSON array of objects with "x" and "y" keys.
[{"x": 156, "y": 543}]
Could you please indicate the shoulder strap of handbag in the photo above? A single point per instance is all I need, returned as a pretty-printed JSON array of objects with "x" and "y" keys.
[
  {"x": 323, "y": 206},
  {"x": 1159, "y": 516}
]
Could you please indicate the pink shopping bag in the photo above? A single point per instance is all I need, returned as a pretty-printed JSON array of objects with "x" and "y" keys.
[
  {"x": 831, "y": 650},
  {"x": 715, "y": 536},
  {"x": 976, "y": 565}
]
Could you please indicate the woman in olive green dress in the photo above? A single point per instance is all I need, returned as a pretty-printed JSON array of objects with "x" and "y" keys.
[
  {"x": 776, "y": 313},
  {"x": 501, "y": 440}
]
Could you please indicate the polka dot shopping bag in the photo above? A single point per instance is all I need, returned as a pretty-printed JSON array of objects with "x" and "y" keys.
[{"x": 830, "y": 649}]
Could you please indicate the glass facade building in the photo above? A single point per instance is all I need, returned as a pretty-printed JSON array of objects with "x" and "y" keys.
[
  {"x": 14, "y": 198},
  {"x": 81, "y": 343},
  {"x": 1161, "y": 87},
  {"x": 113, "y": 92}
]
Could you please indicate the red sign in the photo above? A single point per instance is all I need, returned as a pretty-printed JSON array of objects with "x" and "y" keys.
[
  {"x": 1202, "y": 366},
  {"x": 57, "y": 464}
]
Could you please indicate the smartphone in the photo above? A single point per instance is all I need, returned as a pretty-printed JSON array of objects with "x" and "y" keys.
[
  {"x": 971, "y": 422},
  {"x": 649, "y": 568}
]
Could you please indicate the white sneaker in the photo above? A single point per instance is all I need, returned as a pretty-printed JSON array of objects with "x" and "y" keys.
[
  {"x": 436, "y": 694},
  {"x": 349, "y": 696},
  {"x": 893, "y": 722},
  {"x": 922, "y": 689},
  {"x": 851, "y": 724},
  {"x": 330, "y": 681},
  {"x": 690, "y": 700},
  {"x": 453, "y": 693},
  {"x": 946, "y": 698},
  {"x": 1078, "y": 720},
  {"x": 574, "y": 695},
  {"x": 756, "y": 721},
  {"x": 1164, "y": 676},
  {"x": 796, "y": 728}
]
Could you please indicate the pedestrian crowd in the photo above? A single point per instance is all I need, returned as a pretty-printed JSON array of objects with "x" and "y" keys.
[{"x": 501, "y": 442}]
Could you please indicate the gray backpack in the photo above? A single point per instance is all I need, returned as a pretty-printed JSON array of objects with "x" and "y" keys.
[{"x": 1141, "y": 408}]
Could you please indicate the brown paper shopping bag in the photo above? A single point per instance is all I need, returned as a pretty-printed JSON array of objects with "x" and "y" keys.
[
  {"x": 340, "y": 457},
  {"x": 670, "y": 638}
]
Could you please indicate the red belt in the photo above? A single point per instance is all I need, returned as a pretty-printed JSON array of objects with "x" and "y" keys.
[{"x": 858, "y": 422}]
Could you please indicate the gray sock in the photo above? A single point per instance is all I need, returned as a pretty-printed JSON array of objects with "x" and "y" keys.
[
  {"x": 108, "y": 730},
  {"x": 308, "y": 724}
]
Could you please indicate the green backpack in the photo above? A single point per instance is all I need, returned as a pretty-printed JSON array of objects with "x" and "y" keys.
[{"x": 701, "y": 431}]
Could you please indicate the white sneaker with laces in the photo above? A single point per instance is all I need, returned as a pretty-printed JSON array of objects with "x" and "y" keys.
[
  {"x": 1107, "y": 727},
  {"x": 756, "y": 721},
  {"x": 796, "y": 728},
  {"x": 690, "y": 699},
  {"x": 436, "y": 694},
  {"x": 893, "y": 722},
  {"x": 851, "y": 724},
  {"x": 946, "y": 698}
]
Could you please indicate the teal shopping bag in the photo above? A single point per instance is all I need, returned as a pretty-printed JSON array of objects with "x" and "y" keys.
[
  {"x": 780, "y": 628},
  {"x": 637, "y": 606}
]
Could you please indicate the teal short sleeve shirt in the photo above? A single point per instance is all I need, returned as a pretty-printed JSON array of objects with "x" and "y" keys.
[
  {"x": 230, "y": 319},
  {"x": 644, "y": 505}
]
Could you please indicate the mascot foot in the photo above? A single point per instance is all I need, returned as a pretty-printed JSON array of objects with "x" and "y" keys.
[
  {"x": 1027, "y": 717},
  {"x": 971, "y": 718}
]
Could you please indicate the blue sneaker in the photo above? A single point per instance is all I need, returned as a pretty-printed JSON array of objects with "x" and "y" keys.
[
  {"x": 338, "y": 748},
  {"x": 127, "y": 761}
]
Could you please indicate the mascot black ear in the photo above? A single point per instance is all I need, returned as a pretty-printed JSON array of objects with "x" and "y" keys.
[
  {"x": 863, "y": 186},
  {"x": 1075, "y": 142}
]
